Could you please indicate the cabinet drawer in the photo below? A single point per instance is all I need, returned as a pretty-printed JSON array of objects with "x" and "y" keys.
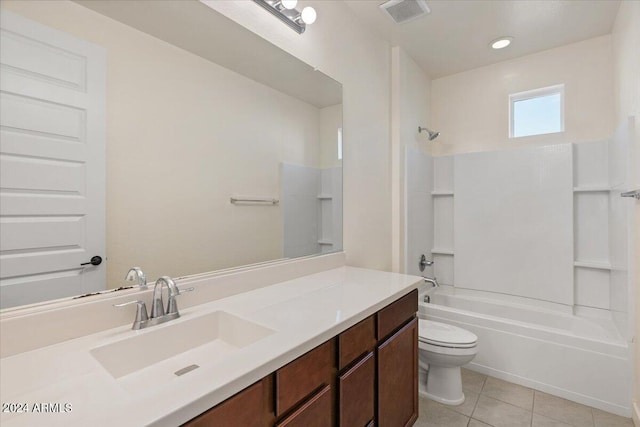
[
  {"x": 298, "y": 379},
  {"x": 356, "y": 391},
  {"x": 356, "y": 341},
  {"x": 316, "y": 412},
  {"x": 396, "y": 314},
  {"x": 244, "y": 409}
]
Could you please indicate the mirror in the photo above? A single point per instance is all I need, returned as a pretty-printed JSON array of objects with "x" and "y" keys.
[{"x": 209, "y": 149}]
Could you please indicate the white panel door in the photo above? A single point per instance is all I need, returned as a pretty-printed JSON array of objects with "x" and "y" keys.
[
  {"x": 513, "y": 222},
  {"x": 52, "y": 163}
]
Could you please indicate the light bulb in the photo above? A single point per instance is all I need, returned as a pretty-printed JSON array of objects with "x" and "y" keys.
[
  {"x": 308, "y": 15},
  {"x": 289, "y": 4}
]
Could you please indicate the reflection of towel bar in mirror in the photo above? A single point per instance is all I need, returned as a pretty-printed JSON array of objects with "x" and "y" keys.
[
  {"x": 633, "y": 193},
  {"x": 259, "y": 200}
]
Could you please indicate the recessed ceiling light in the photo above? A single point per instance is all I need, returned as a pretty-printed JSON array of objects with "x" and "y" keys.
[{"x": 501, "y": 43}]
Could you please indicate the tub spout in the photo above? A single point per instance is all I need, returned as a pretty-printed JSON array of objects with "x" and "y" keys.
[{"x": 433, "y": 281}]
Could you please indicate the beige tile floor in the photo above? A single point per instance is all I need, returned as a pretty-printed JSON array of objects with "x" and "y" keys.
[{"x": 491, "y": 402}]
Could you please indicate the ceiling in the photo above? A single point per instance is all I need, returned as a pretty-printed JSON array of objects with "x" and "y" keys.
[{"x": 455, "y": 36}]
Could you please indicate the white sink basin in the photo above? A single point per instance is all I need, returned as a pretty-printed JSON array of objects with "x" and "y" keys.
[{"x": 222, "y": 333}]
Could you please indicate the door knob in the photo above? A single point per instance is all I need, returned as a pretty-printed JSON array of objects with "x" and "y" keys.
[{"x": 95, "y": 260}]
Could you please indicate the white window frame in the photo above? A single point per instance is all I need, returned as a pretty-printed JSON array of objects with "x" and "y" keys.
[{"x": 536, "y": 93}]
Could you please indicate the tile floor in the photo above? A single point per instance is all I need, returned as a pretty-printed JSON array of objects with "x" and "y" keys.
[{"x": 491, "y": 402}]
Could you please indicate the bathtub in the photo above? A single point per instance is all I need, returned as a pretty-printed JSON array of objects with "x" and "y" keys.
[{"x": 540, "y": 345}]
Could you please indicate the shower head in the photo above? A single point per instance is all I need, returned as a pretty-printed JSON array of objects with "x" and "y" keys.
[{"x": 432, "y": 135}]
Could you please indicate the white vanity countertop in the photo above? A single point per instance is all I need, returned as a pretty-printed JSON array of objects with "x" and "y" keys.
[{"x": 303, "y": 312}]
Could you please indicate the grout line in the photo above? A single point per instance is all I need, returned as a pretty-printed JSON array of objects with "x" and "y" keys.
[
  {"x": 533, "y": 405},
  {"x": 476, "y": 405}
]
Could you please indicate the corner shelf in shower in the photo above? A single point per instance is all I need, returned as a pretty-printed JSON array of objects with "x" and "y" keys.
[
  {"x": 593, "y": 264},
  {"x": 591, "y": 189},
  {"x": 325, "y": 196},
  {"x": 441, "y": 193},
  {"x": 325, "y": 242}
]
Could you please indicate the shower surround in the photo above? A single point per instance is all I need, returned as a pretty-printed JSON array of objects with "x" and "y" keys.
[{"x": 539, "y": 230}]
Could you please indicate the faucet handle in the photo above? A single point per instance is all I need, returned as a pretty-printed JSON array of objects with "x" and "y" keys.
[
  {"x": 172, "y": 306},
  {"x": 424, "y": 262},
  {"x": 141, "y": 312}
]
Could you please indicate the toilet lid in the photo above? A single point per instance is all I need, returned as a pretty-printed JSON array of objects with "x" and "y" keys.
[{"x": 443, "y": 334}]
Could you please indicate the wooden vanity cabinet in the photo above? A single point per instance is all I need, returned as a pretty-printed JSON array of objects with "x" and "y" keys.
[
  {"x": 248, "y": 408},
  {"x": 398, "y": 378},
  {"x": 357, "y": 375},
  {"x": 297, "y": 380},
  {"x": 356, "y": 393},
  {"x": 397, "y": 367},
  {"x": 366, "y": 376},
  {"x": 315, "y": 412}
]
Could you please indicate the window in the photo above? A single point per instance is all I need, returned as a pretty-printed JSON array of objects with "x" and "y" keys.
[
  {"x": 536, "y": 112},
  {"x": 339, "y": 143}
]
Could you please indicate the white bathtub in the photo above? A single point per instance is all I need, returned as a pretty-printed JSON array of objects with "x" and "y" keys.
[{"x": 544, "y": 347}]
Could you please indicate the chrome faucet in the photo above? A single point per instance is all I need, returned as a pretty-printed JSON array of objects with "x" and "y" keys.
[
  {"x": 424, "y": 262},
  {"x": 158, "y": 314},
  {"x": 136, "y": 273},
  {"x": 157, "y": 307},
  {"x": 433, "y": 281}
]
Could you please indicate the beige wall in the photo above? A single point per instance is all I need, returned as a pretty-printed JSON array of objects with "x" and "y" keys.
[
  {"x": 626, "y": 55},
  {"x": 471, "y": 108},
  {"x": 183, "y": 134},
  {"x": 341, "y": 47},
  {"x": 410, "y": 90}
]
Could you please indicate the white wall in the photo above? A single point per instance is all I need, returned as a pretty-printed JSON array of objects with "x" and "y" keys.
[
  {"x": 344, "y": 49},
  {"x": 626, "y": 65},
  {"x": 330, "y": 121},
  {"x": 182, "y": 215},
  {"x": 471, "y": 108},
  {"x": 410, "y": 89}
]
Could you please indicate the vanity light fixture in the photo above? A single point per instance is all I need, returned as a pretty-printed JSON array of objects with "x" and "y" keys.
[
  {"x": 286, "y": 11},
  {"x": 501, "y": 43}
]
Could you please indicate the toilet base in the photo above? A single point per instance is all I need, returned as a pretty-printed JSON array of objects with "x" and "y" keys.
[
  {"x": 442, "y": 384},
  {"x": 440, "y": 400}
]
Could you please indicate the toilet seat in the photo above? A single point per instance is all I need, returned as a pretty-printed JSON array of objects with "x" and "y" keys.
[{"x": 436, "y": 334}]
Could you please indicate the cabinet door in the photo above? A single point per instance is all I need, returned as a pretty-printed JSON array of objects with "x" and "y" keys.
[
  {"x": 244, "y": 409},
  {"x": 316, "y": 412},
  {"x": 398, "y": 378},
  {"x": 356, "y": 391}
]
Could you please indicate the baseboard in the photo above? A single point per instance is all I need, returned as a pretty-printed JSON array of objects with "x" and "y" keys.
[
  {"x": 556, "y": 391},
  {"x": 636, "y": 413}
]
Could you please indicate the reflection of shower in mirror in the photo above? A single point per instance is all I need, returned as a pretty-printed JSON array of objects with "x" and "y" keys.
[{"x": 432, "y": 135}]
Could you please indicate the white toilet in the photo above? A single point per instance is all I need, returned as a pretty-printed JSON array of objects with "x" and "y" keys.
[{"x": 443, "y": 349}]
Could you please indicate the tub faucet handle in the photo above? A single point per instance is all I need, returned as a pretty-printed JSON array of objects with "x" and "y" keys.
[{"x": 424, "y": 262}]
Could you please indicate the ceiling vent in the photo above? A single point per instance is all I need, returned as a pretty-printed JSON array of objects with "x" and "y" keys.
[{"x": 402, "y": 11}]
